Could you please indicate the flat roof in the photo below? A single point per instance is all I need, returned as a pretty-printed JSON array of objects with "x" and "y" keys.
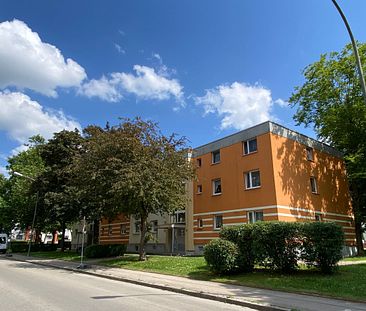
[{"x": 260, "y": 129}]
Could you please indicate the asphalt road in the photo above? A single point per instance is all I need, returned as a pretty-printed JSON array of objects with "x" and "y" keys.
[{"x": 25, "y": 286}]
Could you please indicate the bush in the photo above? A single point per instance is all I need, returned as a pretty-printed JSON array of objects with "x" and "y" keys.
[
  {"x": 105, "y": 250},
  {"x": 19, "y": 246},
  {"x": 277, "y": 244},
  {"x": 242, "y": 237},
  {"x": 22, "y": 247},
  {"x": 322, "y": 245},
  {"x": 221, "y": 256}
]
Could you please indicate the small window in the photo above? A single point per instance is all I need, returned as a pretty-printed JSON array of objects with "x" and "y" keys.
[
  {"x": 309, "y": 154},
  {"x": 216, "y": 156},
  {"x": 179, "y": 217},
  {"x": 199, "y": 188},
  {"x": 217, "y": 222},
  {"x": 318, "y": 217},
  {"x": 199, "y": 162},
  {"x": 103, "y": 231},
  {"x": 154, "y": 226},
  {"x": 216, "y": 186},
  {"x": 136, "y": 227},
  {"x": 200, "y": 223},
  {"x": 110, "y": 230},
  {"x": 252, "y": 179},
  {"x": 123, "y": 229},
  {"x": 250, "y": 146},
  {"x": 313, "y": 185},
  {"x": 255, "y": 216}
]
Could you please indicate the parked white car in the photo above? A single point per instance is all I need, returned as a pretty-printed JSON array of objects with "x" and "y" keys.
[{"x": 3, "y": 242}]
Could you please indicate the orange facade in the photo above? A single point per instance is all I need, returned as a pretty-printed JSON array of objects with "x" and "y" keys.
[
  {"x": 268, "y": 173},
  {"x": 116, "y": 231}
]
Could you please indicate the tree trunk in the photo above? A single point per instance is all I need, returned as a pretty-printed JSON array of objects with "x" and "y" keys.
[
  {"x": 356, "y": 204},
  {"x": 63, "y": 237},
  {"x": 143, "y": 230}
]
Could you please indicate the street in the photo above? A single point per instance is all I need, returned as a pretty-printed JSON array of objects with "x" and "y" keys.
[{"x": 26, "y": 286}]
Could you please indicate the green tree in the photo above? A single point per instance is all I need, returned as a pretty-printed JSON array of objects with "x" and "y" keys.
[
  {"x": 132, "y": 168},
  {"x": 57, "y": 195},
  {"x": 331, "y": 101},
  {"x": 20, "y": 200}
]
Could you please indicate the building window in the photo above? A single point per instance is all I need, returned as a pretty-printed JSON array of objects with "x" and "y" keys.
[
  {"x": 216, "y": 186},
  {"x": 200, "y": 223},
  {"x": 318, "y": 217},
  {"x": 216, "y": 156},
  {"x": 154, "y": 226},
  {"x": 199, "y": 188},
  {"x": 123, "y": 229},
  {"x": 110, "y": 230},
  {"x": 199, "y": 162},
  {"x": 309, "y": 154},
  {"x": 252, "y": 180},
  {"x": 217, "y": 222},
  {"x": 179, "y": 217},
  {"x": 313, "y": 185},
  {"x": 255, "y": 216},
  {"x": 136, "y": 227},
  {"x": 250, "y": 146}
]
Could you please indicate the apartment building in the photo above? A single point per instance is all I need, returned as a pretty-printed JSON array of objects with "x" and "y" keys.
[{"x": 266, "y": 172}]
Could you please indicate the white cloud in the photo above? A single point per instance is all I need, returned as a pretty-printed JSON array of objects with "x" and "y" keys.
[
  {"x": 103, "y": 88},
  {"x": 119, "y": 49},
  {"x": 27, "y": 62},
  {"x": 282, "y": 103},
  {"x": 239, "y": 105},
  {"x": 146, "y": 83},
  {"x": 20, "y": 118}
]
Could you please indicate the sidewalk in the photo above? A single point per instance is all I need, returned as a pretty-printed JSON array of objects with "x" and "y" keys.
[{"x": 259, "y": 299}]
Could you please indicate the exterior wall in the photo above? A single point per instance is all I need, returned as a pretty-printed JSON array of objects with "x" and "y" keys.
[
  {"x": 295, "y": 200},
  {"x": 110, "y": 231},
  {"x": 189, "y": 245},
  {"x": 235, "y": 200}
]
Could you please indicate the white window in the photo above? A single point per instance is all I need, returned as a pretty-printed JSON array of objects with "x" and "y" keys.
[
  {"x": 200, "y": 223},
  {"x": 318, "y": 217},
  {"x": 252, "y": 179},
  {"x": 154, "y": 226},
  {"x": 123, "y": 229},
  {"x": 217, "y": 222},
  {"x": 309, "y": 154},
  {"x": 313, "y": 185},
  {"x": 215, "y": 156},
  {"x": 216, "y": 186},
  {"x": 199, "y": 188},
  {"x": 250, "y": 146},
  {"x": 255, "y": 216},
  {"x": 179, "y": 217}
]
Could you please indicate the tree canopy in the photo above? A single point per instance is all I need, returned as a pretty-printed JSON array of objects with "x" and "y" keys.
[
  {"x": 331, "y": 101},
  {"x": 132, "y": 168}
]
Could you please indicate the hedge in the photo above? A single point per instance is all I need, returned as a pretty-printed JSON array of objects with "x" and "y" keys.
[
  {"x": 276, "y": 245},
  {"x": 221, "y": 256},
  {"x": 22, "y": 247},
  {"x": 105, "y": 250}
]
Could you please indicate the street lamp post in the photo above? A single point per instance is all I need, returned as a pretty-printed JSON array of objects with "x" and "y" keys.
[
  {"x": 355, "y": 50},
  {"x": 34, "y": 213}
]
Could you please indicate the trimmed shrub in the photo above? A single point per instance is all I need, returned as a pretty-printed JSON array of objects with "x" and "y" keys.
[
  {"x": 221, "y": 256},
  {"x": 242, "y": 237},
  {"x": 277, "y": 244},
  {"x": 105, "y": 250},
  {"x": 322, "y": 245},
  {"x": 19, "y": 246},
  {"x": 22, "y": 247}
]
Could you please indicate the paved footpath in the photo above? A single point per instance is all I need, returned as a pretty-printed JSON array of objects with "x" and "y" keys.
[{"x": 260, "y": 299}]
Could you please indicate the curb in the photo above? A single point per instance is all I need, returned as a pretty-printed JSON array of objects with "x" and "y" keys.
[{"x": 203, "y": 295}]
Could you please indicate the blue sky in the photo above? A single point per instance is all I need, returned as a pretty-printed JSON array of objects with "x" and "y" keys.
[{"x": 202, "y": 69}]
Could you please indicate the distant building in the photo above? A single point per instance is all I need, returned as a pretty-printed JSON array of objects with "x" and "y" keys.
[{"x": 266, "y": 172}]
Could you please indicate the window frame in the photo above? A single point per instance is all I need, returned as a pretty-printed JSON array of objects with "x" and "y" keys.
[
  {"x": 136, "y": 230},
  {"x": 216, "y": 222},
  {"x": 199, "y": 162},
  {"x": 121, "y": 231},
  {"x": 200, "y": 223},
  {"x": 309, "y": 154},
  {"x": 214, "y": 186},
  {"x": 246, "y": 146},
  {"x": 254, "y": 217},
  {"x": 213, "y": 156},
  {"x": 199, "y": 189},
  {"x": 154, "y": 226},
  {"x": 250, "y": 180},
  {"x": 314, "y": 182}
]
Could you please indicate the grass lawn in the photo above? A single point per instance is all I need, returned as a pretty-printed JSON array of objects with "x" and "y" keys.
[
  {"x": 66, "y": 255},
  {"x": 349, "y": 282}
]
